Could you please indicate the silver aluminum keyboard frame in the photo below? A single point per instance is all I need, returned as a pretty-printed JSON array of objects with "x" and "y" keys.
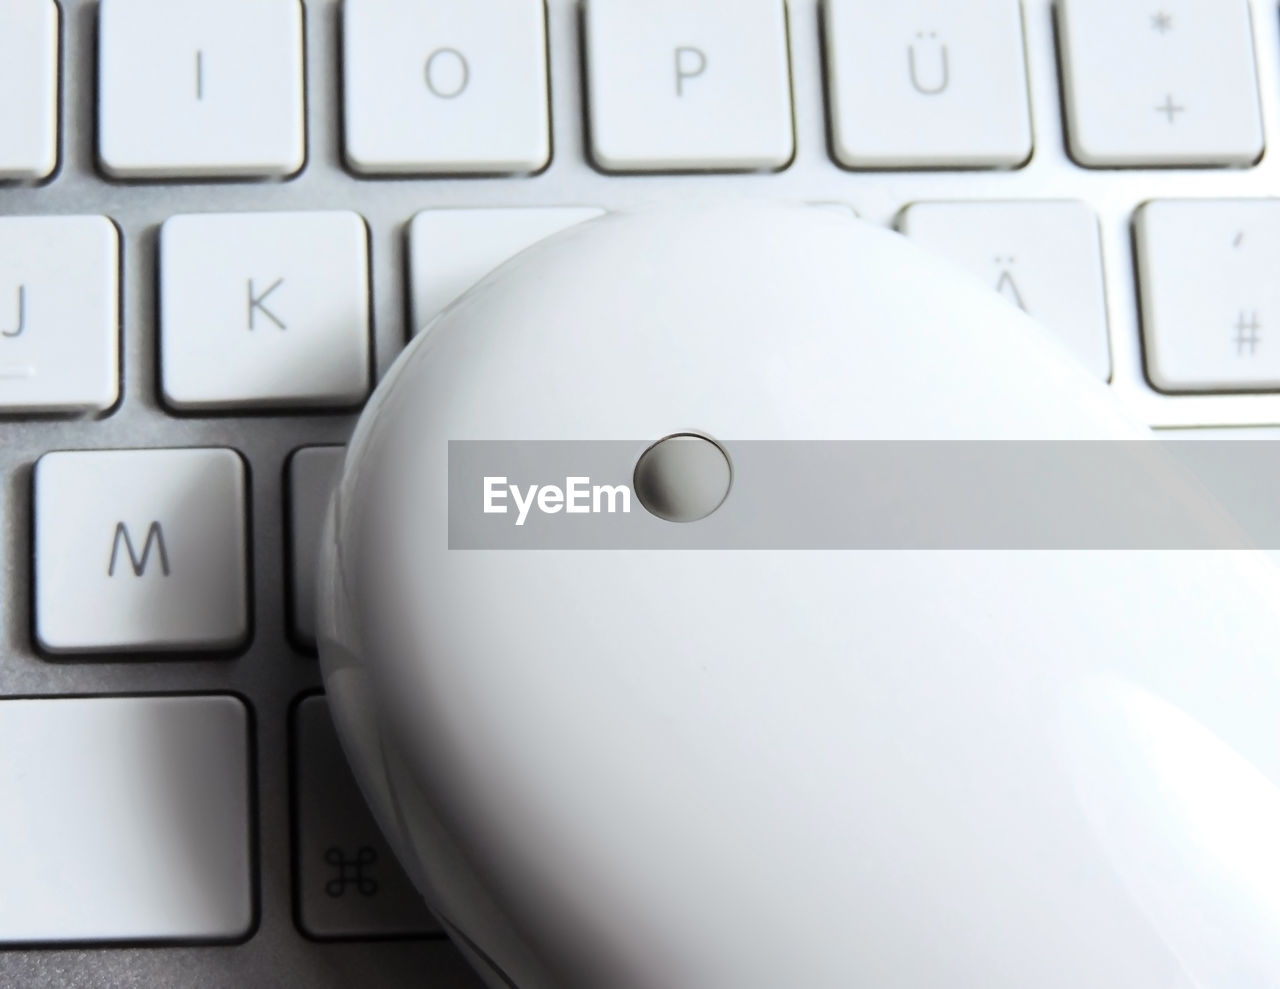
[{"x": 271, "y": 674}]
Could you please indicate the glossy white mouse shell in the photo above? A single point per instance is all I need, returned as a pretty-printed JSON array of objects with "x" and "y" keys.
[{"x": 823, "y": 769}]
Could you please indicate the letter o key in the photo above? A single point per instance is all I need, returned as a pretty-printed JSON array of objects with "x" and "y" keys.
[{"x": 447, "y": 73}]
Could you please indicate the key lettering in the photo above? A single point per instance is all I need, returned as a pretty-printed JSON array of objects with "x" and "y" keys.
[
  {"x": 942, "y": 78},
  {"x": 1170, "y": 109},
  {"x": 155, "y": 537},
  {"x": 351, "y": 870},
  {"x": 256, "y": 304},
  {"x": 447, "y": 73},
  {"x": 690, "y": 63},
  {"x": 1248, "y": 334},
  {"x": 1005, "y": 284},
  {"x": 22, "y": 315}
]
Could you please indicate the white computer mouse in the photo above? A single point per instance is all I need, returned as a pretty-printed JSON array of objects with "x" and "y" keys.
[{"x": 720, "y": 768}]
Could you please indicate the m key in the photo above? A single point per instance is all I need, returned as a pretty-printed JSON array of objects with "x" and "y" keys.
[
  {"x": 140, "y": 550},
  {"x": 155, "y": 537}
]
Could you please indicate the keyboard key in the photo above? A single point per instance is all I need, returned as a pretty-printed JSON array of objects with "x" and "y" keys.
[
  {"x": 927, "y": 83},
  {"x": 263, "y": 310},
  {"x": 1169, "y": 83},
  {"x": 191, "y": 89},
  {"x": 127, "y": 819},
  {"x": 29, "y": 94},
  {"x": 313, "y": 474},
  {"x": 140, "y": 550},
  {"x": 452, "y": 249},
  {"x": 449, "y": 86},
  {"x": 683, "y": 85},
  {"x": 1210, "y": 299},
  {"x": 1043, "y": 257},
  {"x": 348, "y": 883},
  {"x": 59, "y": 314}
]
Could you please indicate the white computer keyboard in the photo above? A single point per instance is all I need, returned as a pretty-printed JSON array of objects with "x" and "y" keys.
[{"x": 220, "y": 220}]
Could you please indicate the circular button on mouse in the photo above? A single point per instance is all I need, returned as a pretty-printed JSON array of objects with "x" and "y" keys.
[{"x": 683, "y": 477}]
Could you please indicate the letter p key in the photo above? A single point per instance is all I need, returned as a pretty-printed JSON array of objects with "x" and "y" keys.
[{"x": 690, "y": 63}]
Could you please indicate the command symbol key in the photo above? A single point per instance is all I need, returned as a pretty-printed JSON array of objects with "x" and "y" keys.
[{"x": 348, "y": 883}]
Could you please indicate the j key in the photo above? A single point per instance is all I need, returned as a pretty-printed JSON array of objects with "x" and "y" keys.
[{"x": 59, "y": 314}]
